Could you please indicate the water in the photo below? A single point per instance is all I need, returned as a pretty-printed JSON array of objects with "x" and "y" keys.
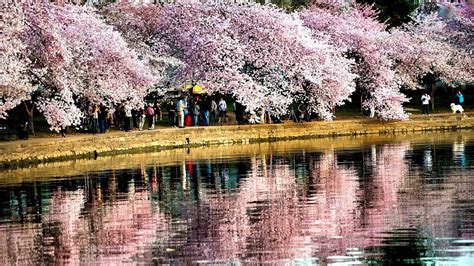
[{"x": 373, "y": 200}]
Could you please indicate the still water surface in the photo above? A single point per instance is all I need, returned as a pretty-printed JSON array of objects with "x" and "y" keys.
[{"x": 393, "y": 200}]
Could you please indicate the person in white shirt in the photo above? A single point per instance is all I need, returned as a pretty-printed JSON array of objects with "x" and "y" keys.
[
  {"x": 425, "y": 103},
  {"x": 182, "y": 105},
  {"x": 128, "y": 116},
  {"x": 214, "y": 112},
  {"x": 222, "y": 108}
]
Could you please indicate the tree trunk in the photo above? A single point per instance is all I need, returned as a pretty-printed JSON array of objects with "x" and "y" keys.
[
  {"x": 30, "y": 112},
  {"x": 433, "y": 87}
]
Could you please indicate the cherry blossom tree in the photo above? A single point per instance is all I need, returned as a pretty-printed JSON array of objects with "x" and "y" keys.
[
  {"x": 14, "y": 81},
  {"x": 78, "y": 60},
  {"x": 261, "y": 55},
  {"x": 433, "y": 46},
  {"x": 460, "y": 28},
  {"x": 85, "y": 60},
  {"x": 356, "y": 30},
  {"x": 136, "y": 24}
]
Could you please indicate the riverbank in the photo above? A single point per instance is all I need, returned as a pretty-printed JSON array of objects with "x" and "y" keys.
[
  {"x": 34, "y": 151},
  {"x": 70, "y": 168}
]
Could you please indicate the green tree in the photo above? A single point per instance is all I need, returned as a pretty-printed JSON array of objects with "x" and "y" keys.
[
  {"x": 394, "y": 12},
  {"x": 287, "y": 4}
]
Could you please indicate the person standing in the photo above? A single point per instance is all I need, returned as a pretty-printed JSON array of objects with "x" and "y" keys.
[
  {"x": 158, "y": 113},
  {"x": 239, "y": 113},
  {"x": 425, "y": 103},
  {"x": 135, "y": 117},
  {"x": 171, "y": 113},
  {"x": 302, "y": 113},
  {"x": 196, "y": 112},
  {"x": 128, "y": 116},
  {"x": 95, "y": 119},
  {"x": 268, "y": 115},
  {"x": 150, "y": 114},
  {"x": 205, "y": 108},
  {"x": 141, "y": 119},
  {"x": 181, "y": 107},
  {"x": 213, "y": 116},
  {"x": 103, "y": 112},
  {"x": 459, "y": 98},
  {"x": 110, "y": 117},
  {"x": 222, "y": 107}
]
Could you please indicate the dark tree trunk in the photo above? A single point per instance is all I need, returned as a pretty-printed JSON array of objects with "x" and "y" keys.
[
  {"x": 433, "y": 88},
  {"x": 30, "y": 113}
]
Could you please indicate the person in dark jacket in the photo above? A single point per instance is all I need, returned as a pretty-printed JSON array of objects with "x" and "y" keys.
[
  {"x": 103, "y": 112},
  {"x": 239, "y": 113},
  {"x": 206, "y": 106},
  {"x": 196, "y": 110},
  {"x": 171, "y": 112}
]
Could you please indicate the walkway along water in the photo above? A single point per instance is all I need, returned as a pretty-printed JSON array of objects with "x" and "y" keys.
[
  {"x": 68, "y": 168},
  {"x": 23, "y": 153}
]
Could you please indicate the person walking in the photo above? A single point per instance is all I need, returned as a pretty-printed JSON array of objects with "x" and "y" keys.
[
  {"x": 150, "y": 115},
  {"x": 425, "y": 103}
]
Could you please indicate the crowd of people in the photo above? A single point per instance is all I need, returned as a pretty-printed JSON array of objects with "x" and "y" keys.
[
  {"x": 201, "y": 110},
  {"x": 196, "y": 111},
  {"x": 185, "y": 111},
  {"x": 181, "y": 112}
]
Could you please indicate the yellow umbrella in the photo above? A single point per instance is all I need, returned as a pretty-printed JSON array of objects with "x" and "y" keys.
[{"x": 199, "y": 90}]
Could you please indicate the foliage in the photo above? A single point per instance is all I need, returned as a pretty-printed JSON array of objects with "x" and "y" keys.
[
  {"x": 363, "y": 38},
  {"x": 14, "y": 81},
  {"x": 262, "y": 55},
  {"x": 79, "y": 60},
  {"x": 432, "y": 46}
]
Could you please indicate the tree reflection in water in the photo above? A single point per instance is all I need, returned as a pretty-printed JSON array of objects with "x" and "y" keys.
[{"x": 394, "y": 203}]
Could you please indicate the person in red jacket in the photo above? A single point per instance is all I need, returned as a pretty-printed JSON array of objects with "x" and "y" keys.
[{"x": 150, "y": 114}]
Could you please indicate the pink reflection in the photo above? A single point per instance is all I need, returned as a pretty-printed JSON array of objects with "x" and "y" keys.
[
  {"x": 273, "y": 217},
  {"x": 319, "y": 209},
  {"x": 115, "y": 231}
]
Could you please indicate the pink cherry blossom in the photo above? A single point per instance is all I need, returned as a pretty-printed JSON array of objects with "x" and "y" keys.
[
  {"x": 78, "y": 59},
  {"x": 430, "y": 45},
  {"x": 14, "y": 82},
  {"x": 261, "y": 55},
  {"x": 356, "y": 30}
]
